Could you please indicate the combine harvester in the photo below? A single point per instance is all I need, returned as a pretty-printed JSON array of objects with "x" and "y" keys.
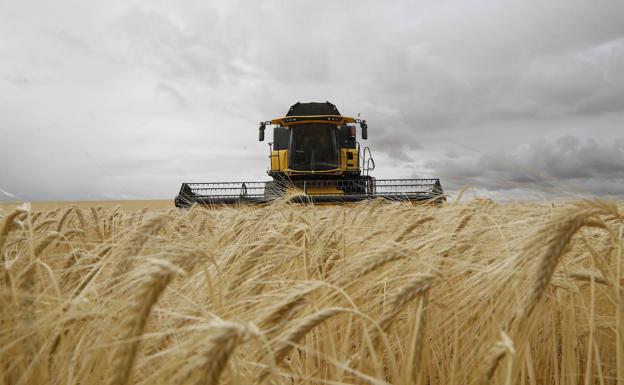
[{"x": 316, "y": 156}]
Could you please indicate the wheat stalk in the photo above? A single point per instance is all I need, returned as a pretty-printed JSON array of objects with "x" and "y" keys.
[{"x": 416, "y": 348}]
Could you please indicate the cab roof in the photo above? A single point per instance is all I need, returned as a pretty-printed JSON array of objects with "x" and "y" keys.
[{"x": 312, "y": 109}]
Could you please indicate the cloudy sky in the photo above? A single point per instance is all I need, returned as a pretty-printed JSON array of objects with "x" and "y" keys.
[{"x": 127, "y": 99}]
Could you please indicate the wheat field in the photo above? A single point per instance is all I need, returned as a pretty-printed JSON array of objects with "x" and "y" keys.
[{"x": 371, "y": 293}]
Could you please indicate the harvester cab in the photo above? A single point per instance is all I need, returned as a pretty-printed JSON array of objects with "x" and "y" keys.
[{"x": 316, "y": 155}]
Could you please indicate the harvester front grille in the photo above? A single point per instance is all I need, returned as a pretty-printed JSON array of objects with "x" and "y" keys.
[{"x": 336, "y": 190}]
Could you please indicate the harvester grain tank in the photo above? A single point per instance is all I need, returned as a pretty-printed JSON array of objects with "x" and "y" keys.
[{"x": 316, "y": 155}]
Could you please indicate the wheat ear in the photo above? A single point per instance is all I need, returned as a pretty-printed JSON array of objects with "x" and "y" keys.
[
  {"x": 298, "y": 331},
  {"x": 558, "y": 233},
  {"x": 303, "y": 327},
  {"x": 220, "y": 348},
  {"x": 64, "y": 217},
  {"x": 35, "y": 216},
  {"x": 493, "y": 357},
  {"x": 588, "y": 276},
  {"x": 46, "y": 241},
  {"x": 96, "y": 222},
  {"x": 133, "y": 243},
  {"x": 7, "y": 224},
  {"x": 418, "y": 285},
  {"x": 149, "y": 293},
  {"x": 464, "y": 221},
  {"x": 249, "y": 260},
  {"x": 81, "y": 217},
  {"x": 412, "y": 227},
  {"x": 374, "y": 262},
  {"x": 42, "y": 225},
  {"x": 291, "y": 302}
]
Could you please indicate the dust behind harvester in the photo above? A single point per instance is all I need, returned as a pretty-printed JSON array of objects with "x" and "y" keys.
[{"x": 315, "y": 155}]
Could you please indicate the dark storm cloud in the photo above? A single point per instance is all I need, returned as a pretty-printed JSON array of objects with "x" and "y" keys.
[
  {"x": 568, "y": 164},
  {"x": 452, "y": 65},
  {"x": 118, "y": 94}
]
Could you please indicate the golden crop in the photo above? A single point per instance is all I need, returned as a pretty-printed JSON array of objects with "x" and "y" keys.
[{"x": 374, "y": 292}]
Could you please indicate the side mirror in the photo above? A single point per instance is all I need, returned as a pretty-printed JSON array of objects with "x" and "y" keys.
[
  {"x": 364, "y": 129},
  {"x": 261, "y": 136},
  {"x": 351, "y": 132}
]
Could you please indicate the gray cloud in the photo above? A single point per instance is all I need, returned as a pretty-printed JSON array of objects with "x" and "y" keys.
[
  {"x": 568, "y": 165},
  {"x": 132, "y": 97}
]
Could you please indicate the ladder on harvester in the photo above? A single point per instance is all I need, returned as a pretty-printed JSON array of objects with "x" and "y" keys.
[{"x": 368, "y": 164}]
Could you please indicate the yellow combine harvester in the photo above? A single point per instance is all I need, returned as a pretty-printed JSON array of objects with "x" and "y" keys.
[{"x": 314, "y": 152}]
